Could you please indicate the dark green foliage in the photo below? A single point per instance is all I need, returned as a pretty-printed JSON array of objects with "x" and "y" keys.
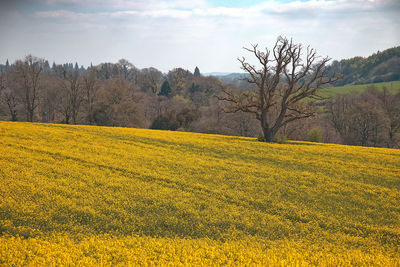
[
  {"x": 196, "y": 72},
  {"x": 187, "y": 116},
  {"x": 261, "y": 137},
  {"x": 380, "y": 67},
  {"x": 47, "y": 66},
  {"x": 166, "y": 121},
  {"x": 172, "y": 121},
  {"x": 99, "y": 115},
  {"x": 165, "y": 89}
]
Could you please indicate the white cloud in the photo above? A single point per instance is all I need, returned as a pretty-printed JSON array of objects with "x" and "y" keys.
[
  {"x": 169, "y": 13},
  {"x": 219, "y": 11},
  {"x": 128, "y": 4},
  {"x": 174, "y": 33},
  {"x": 191, "y": 9},
  {"x": 59, "y": 14}
]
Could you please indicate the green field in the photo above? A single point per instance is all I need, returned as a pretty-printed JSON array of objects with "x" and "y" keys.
[
  {"x": 85, "y": 195},
  {"x": 393, "y": 87}
]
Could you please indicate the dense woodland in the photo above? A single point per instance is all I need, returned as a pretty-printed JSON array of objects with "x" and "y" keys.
[
  {"x": 380, "y": 67},
  {"x": 120, "y": 94}
]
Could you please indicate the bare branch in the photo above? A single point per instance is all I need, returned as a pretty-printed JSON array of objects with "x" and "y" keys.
[{"x": 281, "y": 84}]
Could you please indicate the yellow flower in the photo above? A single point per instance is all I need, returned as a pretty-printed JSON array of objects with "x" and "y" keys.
[{"x": 83, "y": 195}]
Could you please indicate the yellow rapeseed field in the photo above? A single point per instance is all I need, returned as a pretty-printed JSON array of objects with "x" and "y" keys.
[{"x": 90, "y": 196}]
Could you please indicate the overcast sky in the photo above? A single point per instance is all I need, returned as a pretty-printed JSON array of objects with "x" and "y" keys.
[{"x": 209, "y": 34}]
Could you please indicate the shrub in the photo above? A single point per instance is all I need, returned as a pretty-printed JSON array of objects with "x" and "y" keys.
[
  {"x": 280, "y": 139},
  {"x": 314, "y": 135},
  {"x": 166, "y": 121}
]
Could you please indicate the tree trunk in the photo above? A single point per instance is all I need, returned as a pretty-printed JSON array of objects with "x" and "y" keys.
[
  {"x": 14, "y": 116},
  {"x": 268, "y": 134},
  {"x": 13, "y": 111},
  {"x": 30, "y": 115},
  {"x": 74, "y": 117},
  {"x": 90, "y": 111},
  {"x": 67, "y": 116}
]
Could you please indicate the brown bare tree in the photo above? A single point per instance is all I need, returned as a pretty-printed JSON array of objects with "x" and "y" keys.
[
  {"x": 360, "y": 119},
  {"x": 367, "y": 120},
  {"x": 284, "y": 80},
  {"x": 49, "y": 97},
  {"x": 90, "y": 87},
  {"x": 29, "y": 73},
  {"x": 8, "y": 96},
  {"x": 70, "y": 95},
  {"x": 391, "y": 105},
  {"x": 150, "y": 80}
]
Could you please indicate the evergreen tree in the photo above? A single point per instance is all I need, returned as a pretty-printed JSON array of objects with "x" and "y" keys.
[
  {"x": 54, "y": 66},
  {"x": 197, "y": 72},
  {"x": 76, "y": 68},
  {"x": 165, "y": 89},
  {"x": 7, "y": 64},
  {"x": 46, "y": 66}
]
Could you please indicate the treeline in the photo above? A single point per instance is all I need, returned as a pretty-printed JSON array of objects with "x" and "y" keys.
[
  {"x": 115, "y": 95},
  {"x": 380, "y": 67},
  {"x": 119, "y": 94},
  {"x": 371, "y": 118}
]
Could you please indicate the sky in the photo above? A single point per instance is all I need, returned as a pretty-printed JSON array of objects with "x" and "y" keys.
[{"x": 210, "y": 34}]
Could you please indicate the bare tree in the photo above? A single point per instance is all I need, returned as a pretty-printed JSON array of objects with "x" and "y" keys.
[
  {"x": 338, "y": 110},
  {"x": 49, "y": 97},
  {"x": 367, "y": 120},
  {"x": 124, "y": 67},
  {"x": 359, "y": 119},
  {"x": 90, "y": 88},
  {"x": 63, "y": 105},
  {"x": 150, "y": 80},
  {"x": 29, "y": 72},
  {"x": 391, "y": 105},
  {"x": 284, "y": 80},
  {"x": 8, "y": 96},
  {"x": 71, "y": 95}
]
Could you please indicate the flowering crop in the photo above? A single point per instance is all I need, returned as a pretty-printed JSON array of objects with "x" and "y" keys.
[{"x": 84, "y": 195}]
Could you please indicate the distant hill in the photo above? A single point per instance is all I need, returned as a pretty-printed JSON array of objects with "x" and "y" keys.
[
  {"x": 231, "y": 78},
  {"x": 227, "y": 75},
  {"x": 392, "y": 87},
  {"x": 380, "y": 67},
  {"x": 216, "y": 74}
]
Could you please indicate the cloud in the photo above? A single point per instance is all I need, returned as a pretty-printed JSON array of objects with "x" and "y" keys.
[
  {"x": 182, "y": 33},
  {"x": 167, "y": 13},
  {"x": 180, "y": 9},
  {"x": 219, "y": 11},
  {"x": 128, "y": 4},
  {"x": 59, "y": 14}
]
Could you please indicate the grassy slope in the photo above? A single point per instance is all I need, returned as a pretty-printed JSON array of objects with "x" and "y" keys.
[
  {"x": 80, "y": 194},
  {"x": 351, "y": 89}
]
